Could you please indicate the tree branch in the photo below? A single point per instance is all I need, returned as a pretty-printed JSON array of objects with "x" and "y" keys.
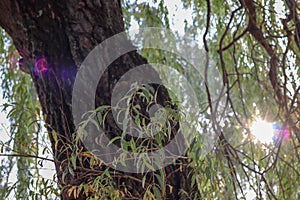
[{"x": 25, "y": 156}]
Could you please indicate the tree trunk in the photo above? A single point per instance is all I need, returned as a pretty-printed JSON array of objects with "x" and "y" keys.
[{"x": 58, "y": 35}]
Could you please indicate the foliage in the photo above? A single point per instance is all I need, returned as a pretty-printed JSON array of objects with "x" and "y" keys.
[
  {"x": 244, "y": 51},
  {"x": 27, "y": 144}
]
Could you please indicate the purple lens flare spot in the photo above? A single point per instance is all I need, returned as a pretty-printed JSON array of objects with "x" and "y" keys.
[
  {"x": 281, "y": 133},
  {"x": 40, "y": 66}
]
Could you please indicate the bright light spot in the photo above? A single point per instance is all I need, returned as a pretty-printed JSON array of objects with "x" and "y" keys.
[{"x": 263, "y": 131}]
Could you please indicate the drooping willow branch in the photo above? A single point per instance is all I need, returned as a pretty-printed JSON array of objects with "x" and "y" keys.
[{"x": 25, "y": 156}]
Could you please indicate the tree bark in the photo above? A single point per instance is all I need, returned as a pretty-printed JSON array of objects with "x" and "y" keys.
[{"x": 61, "y": 34}]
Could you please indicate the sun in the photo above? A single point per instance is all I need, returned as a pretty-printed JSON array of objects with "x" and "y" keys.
[{"x": 263, "y": 131}]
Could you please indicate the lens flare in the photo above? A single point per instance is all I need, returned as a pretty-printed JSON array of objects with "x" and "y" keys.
[
  {"x": 263, "y": 131},
  {"x": 281, "y": 133},
  {"x": 268, "y": 132},
  {"x": 40, "y": 66}
]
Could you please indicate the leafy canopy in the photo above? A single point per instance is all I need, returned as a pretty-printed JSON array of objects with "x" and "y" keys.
[{"x": 254, "y": 46}]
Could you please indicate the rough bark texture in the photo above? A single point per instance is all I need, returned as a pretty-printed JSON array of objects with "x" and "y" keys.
[{"x": 64, "y": 32}]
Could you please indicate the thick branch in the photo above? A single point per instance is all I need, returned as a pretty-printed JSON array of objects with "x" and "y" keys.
[
  {"x": 292, "y": 5},
  {"x": 258, "y": 35}
]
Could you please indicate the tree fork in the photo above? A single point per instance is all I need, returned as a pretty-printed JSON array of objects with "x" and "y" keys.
[{"x": 63, "y": 33}]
